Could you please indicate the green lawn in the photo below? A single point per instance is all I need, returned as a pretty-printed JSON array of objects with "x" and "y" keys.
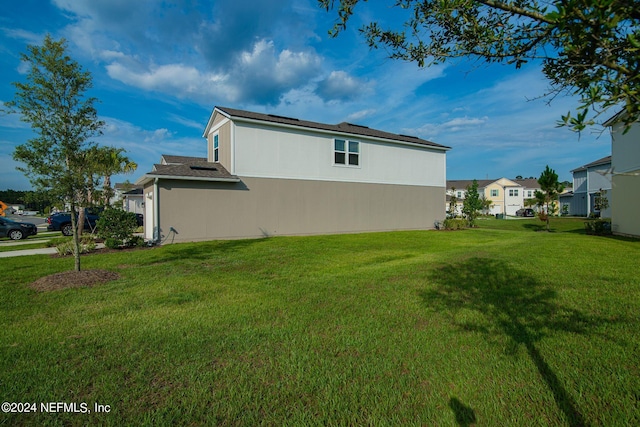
[{"x": 500, "y": 325}]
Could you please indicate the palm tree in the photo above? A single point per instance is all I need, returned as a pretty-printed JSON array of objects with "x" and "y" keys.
[
  {"x": 104, "y": 162},
  {"x": 111, "y": 161},
  {"x": 486, "y": 204}
]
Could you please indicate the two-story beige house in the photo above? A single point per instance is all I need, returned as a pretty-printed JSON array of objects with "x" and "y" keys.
[{"x": 268, "y": 175}]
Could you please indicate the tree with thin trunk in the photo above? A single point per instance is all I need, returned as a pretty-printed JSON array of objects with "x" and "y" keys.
[
  {"x": 64, "y": 120},
  {"x": 550, "y": 190},
  {"x": 472, "y": 203}
]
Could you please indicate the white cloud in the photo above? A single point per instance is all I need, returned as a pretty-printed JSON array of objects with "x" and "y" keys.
[
  {"x": 175, "y": 79},
  {"x": 20, "y": 34},
  {"x": 262, "y": 74},
  {"x": 187, "y": 122},
  {"x": 145, "y": 146},
  {"x": 341, "y": 86},
  {"x": 360, "y": 115},
  {"x": 459, "y": 124}
]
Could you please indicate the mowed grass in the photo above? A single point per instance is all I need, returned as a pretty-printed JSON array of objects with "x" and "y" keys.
[{"x": 500, "y": 325}]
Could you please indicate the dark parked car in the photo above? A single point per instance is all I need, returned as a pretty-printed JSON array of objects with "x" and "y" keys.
[
  {"x": 62, "y": 221},
  {"x": 525, "y": 212},
  {"x": 16, "y": 230}
]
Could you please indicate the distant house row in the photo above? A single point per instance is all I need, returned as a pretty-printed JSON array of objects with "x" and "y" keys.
[
  {"x": 506, "y": 195},
  {"x": 591, "y": 183},
  {"x": 608, "y": 187}
]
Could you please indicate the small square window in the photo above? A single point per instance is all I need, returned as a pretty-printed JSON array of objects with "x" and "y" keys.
[{"x": 346, "y": 152}]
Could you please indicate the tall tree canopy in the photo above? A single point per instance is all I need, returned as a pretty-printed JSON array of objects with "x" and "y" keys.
[
  {"x": 587, "y": 47},
  {"x": 64, "y": 120}
]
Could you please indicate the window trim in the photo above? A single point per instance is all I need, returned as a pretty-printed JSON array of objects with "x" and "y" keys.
[
  {"x": 216, "y": 147},
  {"x": 497, "y": 192},
  {"x": 347, "y": 152}
]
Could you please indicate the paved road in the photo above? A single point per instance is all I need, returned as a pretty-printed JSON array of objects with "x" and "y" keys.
[{"x": 39, "y": 221}]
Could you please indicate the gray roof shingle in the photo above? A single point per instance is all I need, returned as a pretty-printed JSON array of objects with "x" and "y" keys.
[
  {"x": 343, "y": 127},
  {"x": 599, "y": 162},
  {"x": 191, "y": 167}
]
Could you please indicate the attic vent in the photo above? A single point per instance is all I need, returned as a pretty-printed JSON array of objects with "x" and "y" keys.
[
  {"x": 354, "y": 125},
  {"x": 409, "y": 136},
  {"x": 203, "y": 168},
  {"x": 283, "y": 117}
]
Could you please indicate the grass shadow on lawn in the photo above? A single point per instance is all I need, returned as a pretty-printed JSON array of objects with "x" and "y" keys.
[
  {"x": 199, "y": 251},
  {"x": 513, "y": 304}
]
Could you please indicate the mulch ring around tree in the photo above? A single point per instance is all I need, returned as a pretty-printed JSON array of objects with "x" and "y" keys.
[{"x": 73, "y": 279}]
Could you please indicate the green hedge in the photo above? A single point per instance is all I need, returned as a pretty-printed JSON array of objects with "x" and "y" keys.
[
  {"x": 454, "y": 224},
  {"x": 599, "y": 227}
]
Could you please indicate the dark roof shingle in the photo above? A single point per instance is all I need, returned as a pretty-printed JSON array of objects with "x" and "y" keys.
[
  {"x": 599, "y": 162},
  {"x": 191, "y": 167},
  {"x": 343, "y": 127}
]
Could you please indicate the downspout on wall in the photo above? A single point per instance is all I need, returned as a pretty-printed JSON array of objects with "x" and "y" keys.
[{"x": 156, "y": 212}]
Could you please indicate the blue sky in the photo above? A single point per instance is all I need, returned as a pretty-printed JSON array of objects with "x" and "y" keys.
[{"x": 159, "y": 68}]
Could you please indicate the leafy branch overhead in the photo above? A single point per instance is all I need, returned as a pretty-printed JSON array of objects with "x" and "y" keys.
[{"x": 590, "y": 48}]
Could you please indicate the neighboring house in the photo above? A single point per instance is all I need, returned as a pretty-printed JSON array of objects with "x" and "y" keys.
[
  {"x": 590, "y": 181},
  {"x": 131, "y": 197},
  {"x": 267, "y": 175},
  {"x": 625, "y": 166},
  {"x": 529, "y": 188},
  {"x": 506, "y": 195}
]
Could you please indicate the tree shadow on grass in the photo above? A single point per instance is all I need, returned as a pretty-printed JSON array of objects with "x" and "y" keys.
[
  {"x": 535, "y": 227},
  {"x": 465, "y": 415},
  {"x": 515, "y": 305},
  {"x": 201, "y": 250}
]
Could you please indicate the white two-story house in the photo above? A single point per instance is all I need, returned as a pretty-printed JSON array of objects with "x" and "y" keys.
[
  {"x": 268, "y": 175},
  {"x": 625, "y": 177}
]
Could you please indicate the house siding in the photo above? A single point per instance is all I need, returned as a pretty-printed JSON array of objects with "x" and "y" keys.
[
  {"x": 497, "y": 202},
  {"x": 259, "y": 207},
  {"x": 270, "y": 152},
  {"x": 224, "y": 144},
  {"x": 625, "y": 193},
  {"x": 625, "y": 204},
  {"x": 625, "y": 149},
  {"x": 580, "y": 202}
]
